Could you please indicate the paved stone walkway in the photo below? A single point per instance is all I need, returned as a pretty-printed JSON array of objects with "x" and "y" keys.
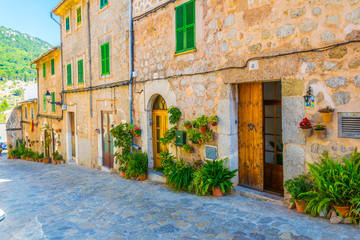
[{"x": 74, "y": 202}]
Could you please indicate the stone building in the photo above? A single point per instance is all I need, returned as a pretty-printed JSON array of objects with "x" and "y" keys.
[
  {"x": 49, "y": 101},
  {"x": 250, "y": 63},
  {"x": 94, "y": 39}
]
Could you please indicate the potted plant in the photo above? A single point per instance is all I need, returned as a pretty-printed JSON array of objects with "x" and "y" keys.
[
  {"x": 187, "y": 124},
  {"x": 57, "y": 158},
  {"x": 320, "y": 131},
  {"x": 218, "y": 177},
  {"x": 207, "y": 136},
  {"x": 194, "y": 123},
  {"x": 296, "y": 187},
  {"x": 137, "y": 132},
  {"x": 213, "y": 120},
  {"x": 175, "y": 114},
  {"x": 306, "y": 127},
  {"x": 137, "y": 166},
  {"x": 193, "y": 135},
  {"x": 202, "y": 123},
  {"x": 188, "y": 148},
  {"x": 326, "y": 113}
]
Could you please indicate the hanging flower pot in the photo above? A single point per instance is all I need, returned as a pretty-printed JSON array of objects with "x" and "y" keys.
[
  {"x": 307, "y": 132},
  {"x": 300, "y": 205},
  {"x": 320, "y": 131},
  {"x": 327, "y": 117},
  {"x": 123, "y": 174},
  {"x": 203, "y": 129},
  {"x": 216, "y": 191}
]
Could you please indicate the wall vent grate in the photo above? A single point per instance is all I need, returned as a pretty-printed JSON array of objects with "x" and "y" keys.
[{"x": 349, "y": 125}]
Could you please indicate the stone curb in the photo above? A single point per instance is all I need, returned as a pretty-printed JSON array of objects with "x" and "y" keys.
[{"x": 249, "y": 193}]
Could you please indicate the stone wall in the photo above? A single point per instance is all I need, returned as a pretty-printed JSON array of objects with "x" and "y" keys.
[{"x": 13, "y": 126}]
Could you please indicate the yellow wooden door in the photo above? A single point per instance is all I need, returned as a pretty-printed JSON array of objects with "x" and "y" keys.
[
  {"x": 160, "y": 126},
  {"x": 251, "y": 146}
]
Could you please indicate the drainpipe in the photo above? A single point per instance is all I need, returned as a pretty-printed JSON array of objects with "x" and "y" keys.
[
  {"x": 37, "y": 86},
  {"x": 130, "y": 60},
  {"x": 89, "y": 53},
  {"x": 62, "y": 70}
]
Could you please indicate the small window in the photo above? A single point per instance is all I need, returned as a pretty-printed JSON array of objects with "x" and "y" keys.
[
  {"x": 32, "y": 113},
  {"x": 44, "y": 103},
  {"x": 25, "y": 112},
  {"x": 67, "y": 20},
  {"x": 78, "y": 15},
  {"x": 80, "y": 71},
  {"x": 349, "y": 125},
  {"x": 103, "y": 3},
  {"x": 52, "y": 67},
  {"x": 53, "y": 102},
  {"x": 105, "y": 59},
  {"x": 44, "y": 70},
  {"x": 68, "y": 73},
  {"x": 185, "y": 27}
]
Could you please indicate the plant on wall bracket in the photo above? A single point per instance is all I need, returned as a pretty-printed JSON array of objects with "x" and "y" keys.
[
  {"x": 169, "y": 136},
  {"x": 175, "y": 114}
]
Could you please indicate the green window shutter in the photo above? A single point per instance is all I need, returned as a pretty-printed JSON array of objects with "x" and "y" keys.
[
  {"x": 78, "y": 15},
  {"x": 67, "y": 20},
  {"x": 103, "y": 3},
  {"x": 44, "y": 70},
  {"x": 80, "y": 71},
  {"x": 25, "y": 112},
  {"x": 185, "y": 27},
  {"x": 105, "y": 59},
  {"x": 53, "y": 100},
  {"x": 52, "y": 67},
  {"x": 32, "y": 113},
  {"x": 44, "y": 103},
  {"x": 68, "y": 73}
]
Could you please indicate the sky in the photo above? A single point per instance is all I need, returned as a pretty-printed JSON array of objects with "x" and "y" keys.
[{"x": 31, "y": 17}]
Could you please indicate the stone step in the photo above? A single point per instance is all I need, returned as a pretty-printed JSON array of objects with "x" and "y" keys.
[{"x": 250, "y": 193}]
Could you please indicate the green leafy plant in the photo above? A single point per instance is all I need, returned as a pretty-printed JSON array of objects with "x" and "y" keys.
[
  {"x": 207, "y": 136},
  {"x": 187, "y": 148},
  {"x": 297, "y": 186},
  {"x": 198, "y": 183},
  {"x": 137, "y": 165},
  {"x": 167, "y": 163},
  {"x": 57, "y": 156},
  {"x": 193, "y": 135},
  {"x": 194, "y": 124},
  {"x": 187, "y": 124},
  {"x": 175, "y": 114},
  {"x": 202, "y": 121},
  {"x": 123, "y": 141},
  {"x": 47, "y": 140},
  {"x": 217, "y": 176},
  {"x": 319, "y": 127},
  {"x": 213, "y": 119},
  {"x": 169, "y": 136},
  {"x": 181, "y": 177}
]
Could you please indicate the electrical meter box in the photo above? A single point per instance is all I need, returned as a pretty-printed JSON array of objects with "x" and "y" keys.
[{"x": 180, "y": 138}]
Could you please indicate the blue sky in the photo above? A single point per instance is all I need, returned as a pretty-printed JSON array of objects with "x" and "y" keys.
[{"x": 31, "y": 17}]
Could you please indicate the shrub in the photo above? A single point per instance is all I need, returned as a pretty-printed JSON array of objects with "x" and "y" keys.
[
  {"x": 297, "y": 186},
  {"x": 167, "y": 163},
  {"x": 181, "y": 176},
  {"x": 175, "y": 114},
  {"x": 137, "y": 165}
]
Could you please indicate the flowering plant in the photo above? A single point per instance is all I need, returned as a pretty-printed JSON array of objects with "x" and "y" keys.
[
  {"x": 319, "y": 127},
  {"x": 305, "y": 124},
  {"x": 137, "y": 131},
  {"x": 326, "y": 110}
]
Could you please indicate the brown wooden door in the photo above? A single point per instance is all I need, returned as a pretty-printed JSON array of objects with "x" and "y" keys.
[
  {"x": 72, "y": 126},
  {"x": 160, "y": 126},
  {"x": 273, "y": 146},
  {"x": 107, "y": 121},
  {"x": 47, "y": 146},
  {"x": 251, "y": 151}
]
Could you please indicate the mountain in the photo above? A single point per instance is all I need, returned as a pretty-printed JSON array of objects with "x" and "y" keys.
[{"x": 16, "y": 52}]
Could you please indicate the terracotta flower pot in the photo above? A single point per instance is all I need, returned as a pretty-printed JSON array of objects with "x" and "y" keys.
[
  {"x": 307, "y": 132},
  {"x": 46, "y": 160},
  {"x": 55, "y": 162},
  {"x": 300, "y": 205},
  {"x": 343, "y": 210},
  {"x": 216, "y": 191},
  {"x": 142, "y": 177},
  {"x": 27, "y": 159},
  {"x": 188, "y": 126},
  {"x": 123, "y": 174},
  {"x": 327, "y": 116},
  {"x": 192, "y": 150},
  {"x": 203, "y": 129},
  {"x": 321, "y": 134},
  {"x": 214, "y": 123}
]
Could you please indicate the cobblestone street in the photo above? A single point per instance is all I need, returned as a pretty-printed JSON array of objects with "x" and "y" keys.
[{"x": 74, "y": 202}]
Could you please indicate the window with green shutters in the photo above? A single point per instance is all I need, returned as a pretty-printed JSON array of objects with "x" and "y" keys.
[
  {"x": 103, "y": 3},
  {"x": 44, "y": 103},
  {"x": 68, "y": 74},
  {"x": 185, "y": 27},
  {"x": 105, "y": 59},
  {"x": 44, "y": 70},
  {"x": 32, "y": 113},
  {"x": 78, "y": 15},
  {"x": 53, "y": 102},
  {"x": 25, "y": 112},
  {"x": 80, "y": 71},
  {"x": 52, "y": 67},
  {"x": 67, "y": 21}
]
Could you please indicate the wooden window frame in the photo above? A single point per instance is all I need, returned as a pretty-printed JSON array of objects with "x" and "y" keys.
[
  {"x": 105, "y": 59},
  {"x": 81, "y": 71},
  {"x": 179, "y": 30}
]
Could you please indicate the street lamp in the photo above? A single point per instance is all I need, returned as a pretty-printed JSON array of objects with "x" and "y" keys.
[{"x": 48, "y": 99}]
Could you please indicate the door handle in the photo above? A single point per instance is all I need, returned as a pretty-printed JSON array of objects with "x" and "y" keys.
[{"x": 251, "y": 126}]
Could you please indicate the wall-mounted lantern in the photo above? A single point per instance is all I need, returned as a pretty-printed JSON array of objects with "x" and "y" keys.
[
  {"x": 309, "y": 98},
  {"x": 48, "y": 99}
]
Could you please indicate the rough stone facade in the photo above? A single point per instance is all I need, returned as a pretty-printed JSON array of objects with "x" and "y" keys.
[
  {"x": 13, "y": 126},
  {"x": 228, "y": 34}
]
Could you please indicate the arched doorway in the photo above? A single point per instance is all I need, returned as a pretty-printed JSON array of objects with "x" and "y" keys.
[{"x": 160, "y": 126}]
